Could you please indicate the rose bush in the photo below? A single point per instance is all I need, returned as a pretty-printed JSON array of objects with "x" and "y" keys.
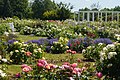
[
  {"x": 109, "y": 61},
  {"x": 19, "y": 52}
]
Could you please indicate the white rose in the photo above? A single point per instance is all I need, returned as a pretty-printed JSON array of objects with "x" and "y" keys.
[
  {"x": 105, "y": 49},
  {"x": 111, "y": 54},
  {"x": 83, "y": 51},
  {"x": 66, "y": 47},
  {"x": 15, "y": 42},
  {"x": 100, "y": 44},
  {"x": 16, "y": 51},
  {"x": 3, "y": 74},
  {"x": 35, "y": 51},
  {"x": 0, "y": 57},
  {"x": 110, "y": 46},
  {"x": 22, "y": 51},
  {"x": 89, "y": 47},
  {"x": 1, "y": 71},
  {"x": 39, "y": 49},
  {"x": 4, "y": 60}
]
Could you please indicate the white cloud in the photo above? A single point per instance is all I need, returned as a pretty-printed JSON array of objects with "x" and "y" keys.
[{"x": 87, "y": 0}]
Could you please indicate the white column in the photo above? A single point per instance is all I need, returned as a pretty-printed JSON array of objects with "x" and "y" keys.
[
  {"x": 88, "y": 16},
  {"x": 106, "y": 17},
  {"x": 98, "y": 15},
  {"x": 117, "y": 16},
  {"x": 101, "y": 16},
  {"x": 93, "y": 16},
  {"x": 83, "y": 16},
  {"x": 112, "y": 16},
  {"x": 78, "y": 16}
]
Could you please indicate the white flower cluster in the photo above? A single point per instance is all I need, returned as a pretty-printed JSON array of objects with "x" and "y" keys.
[
  {"x": 38, "y": 50},
  {"x": 117, "y": 36},
  {"x": 2, "y": 74},
  {"x": 106, "y": 54}
]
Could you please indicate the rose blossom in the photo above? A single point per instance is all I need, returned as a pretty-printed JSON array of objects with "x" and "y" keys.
[
  {"x": 99, "y": 74},
  {"x": 44, "y": 62},
  {"x": 74, "y": 65},
  {"x": 28, "y": 53},
  {"x": 17, "y": 75},
  {"x": 39, "y": 65},
  {"x": 25, "y": 69},
  {"x": 73, "y": 52},
  {"x": 24, "y": 65},
  {"x": 68, "y": 51}
]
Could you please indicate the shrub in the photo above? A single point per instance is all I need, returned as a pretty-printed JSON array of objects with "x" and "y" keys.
[
  {"x": 4, "y": 27},
  {"x": 44, "y": 70},
  {"x": 22, "y": 53},
  {"x": 50, "y": 15},
  {"x": 109, "y": 62},
  {"x": 93, "y": 52},
  {"x": 60, "y": 46}
]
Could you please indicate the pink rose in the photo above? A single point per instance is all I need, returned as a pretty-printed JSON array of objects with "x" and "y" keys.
[
  {"x": 39, "y": 65},
  {"x": 77, "y": 70},
  {"x": 44, "y": 62},
  {"x": 73, "y": 52},
  {"x": 24, "y": 65},
  {"x": 28, "y": 54},
  {"x": 68, "y": 51},
  {"x": 74, "y": 65},
  {"x": 25, "y": 69},
  {"x": 99, "y": 74},
  {"x": 18, "y": 75}
]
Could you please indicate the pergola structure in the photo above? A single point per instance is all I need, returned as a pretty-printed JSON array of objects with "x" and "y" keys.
[{"x": 100, "y": 15}]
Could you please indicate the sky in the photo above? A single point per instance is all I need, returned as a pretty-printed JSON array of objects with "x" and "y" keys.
[{"x": 78, "y": 4}]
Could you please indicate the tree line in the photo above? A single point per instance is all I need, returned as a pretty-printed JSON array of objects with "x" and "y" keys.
[
  {"x": 38, "y": 9},
  {"x": 42, "y": 9}
]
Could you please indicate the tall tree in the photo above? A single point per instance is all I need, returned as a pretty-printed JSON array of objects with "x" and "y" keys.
[
  {"x": 1, "y": 7},
  {"x": 41, "y": 6},
  {"x": 117, "y": 8},
  {"x": 95, "y": 6},
  {"x": 7, "y": 10},
  {"x": 19, "y": 7},
  {"x": 64, "y": 11}
]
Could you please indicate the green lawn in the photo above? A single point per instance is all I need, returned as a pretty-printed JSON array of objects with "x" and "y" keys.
[{"x": 28, "y": 37}]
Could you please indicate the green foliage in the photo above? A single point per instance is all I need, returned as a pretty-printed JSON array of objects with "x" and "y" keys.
[
  {"x": 4, "y": 28},
  {"x": 39, "y": 7},
  {"x": 24, "y": 53},
  {"x": 50, "y": 15},
  {"x": 64, "y": 11},
  {"x": 11, "y": 8},
  {"x": 109, "y": 62},
  {"x": 19, "y": 7},
  {"x": 60, "y": 46},
  {"x": 93, "y": 52}
]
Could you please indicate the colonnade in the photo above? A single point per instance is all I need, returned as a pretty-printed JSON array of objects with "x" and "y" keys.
[{"x": 100, "y": 15}]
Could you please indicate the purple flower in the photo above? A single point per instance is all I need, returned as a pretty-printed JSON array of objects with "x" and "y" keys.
[
  {"x": 11, "y": 41},
  {"x": 18, "y": 75},
  {"x": 103, "y": 40}
]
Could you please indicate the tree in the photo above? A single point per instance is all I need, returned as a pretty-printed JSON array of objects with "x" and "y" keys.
[
  {"x": 5, "y": 8},
  {"x": 19, "y": 7},
  {"x": 41, "y": 6},
  {"x": 117, "y": 8},
  {"x": 64, "y": 11},
  {"x": 95, "y": 6},
  {"x": 1, "y": 7}
]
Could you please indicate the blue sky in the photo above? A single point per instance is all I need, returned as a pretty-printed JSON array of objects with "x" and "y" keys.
[{"x": 87, "y": 3}]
